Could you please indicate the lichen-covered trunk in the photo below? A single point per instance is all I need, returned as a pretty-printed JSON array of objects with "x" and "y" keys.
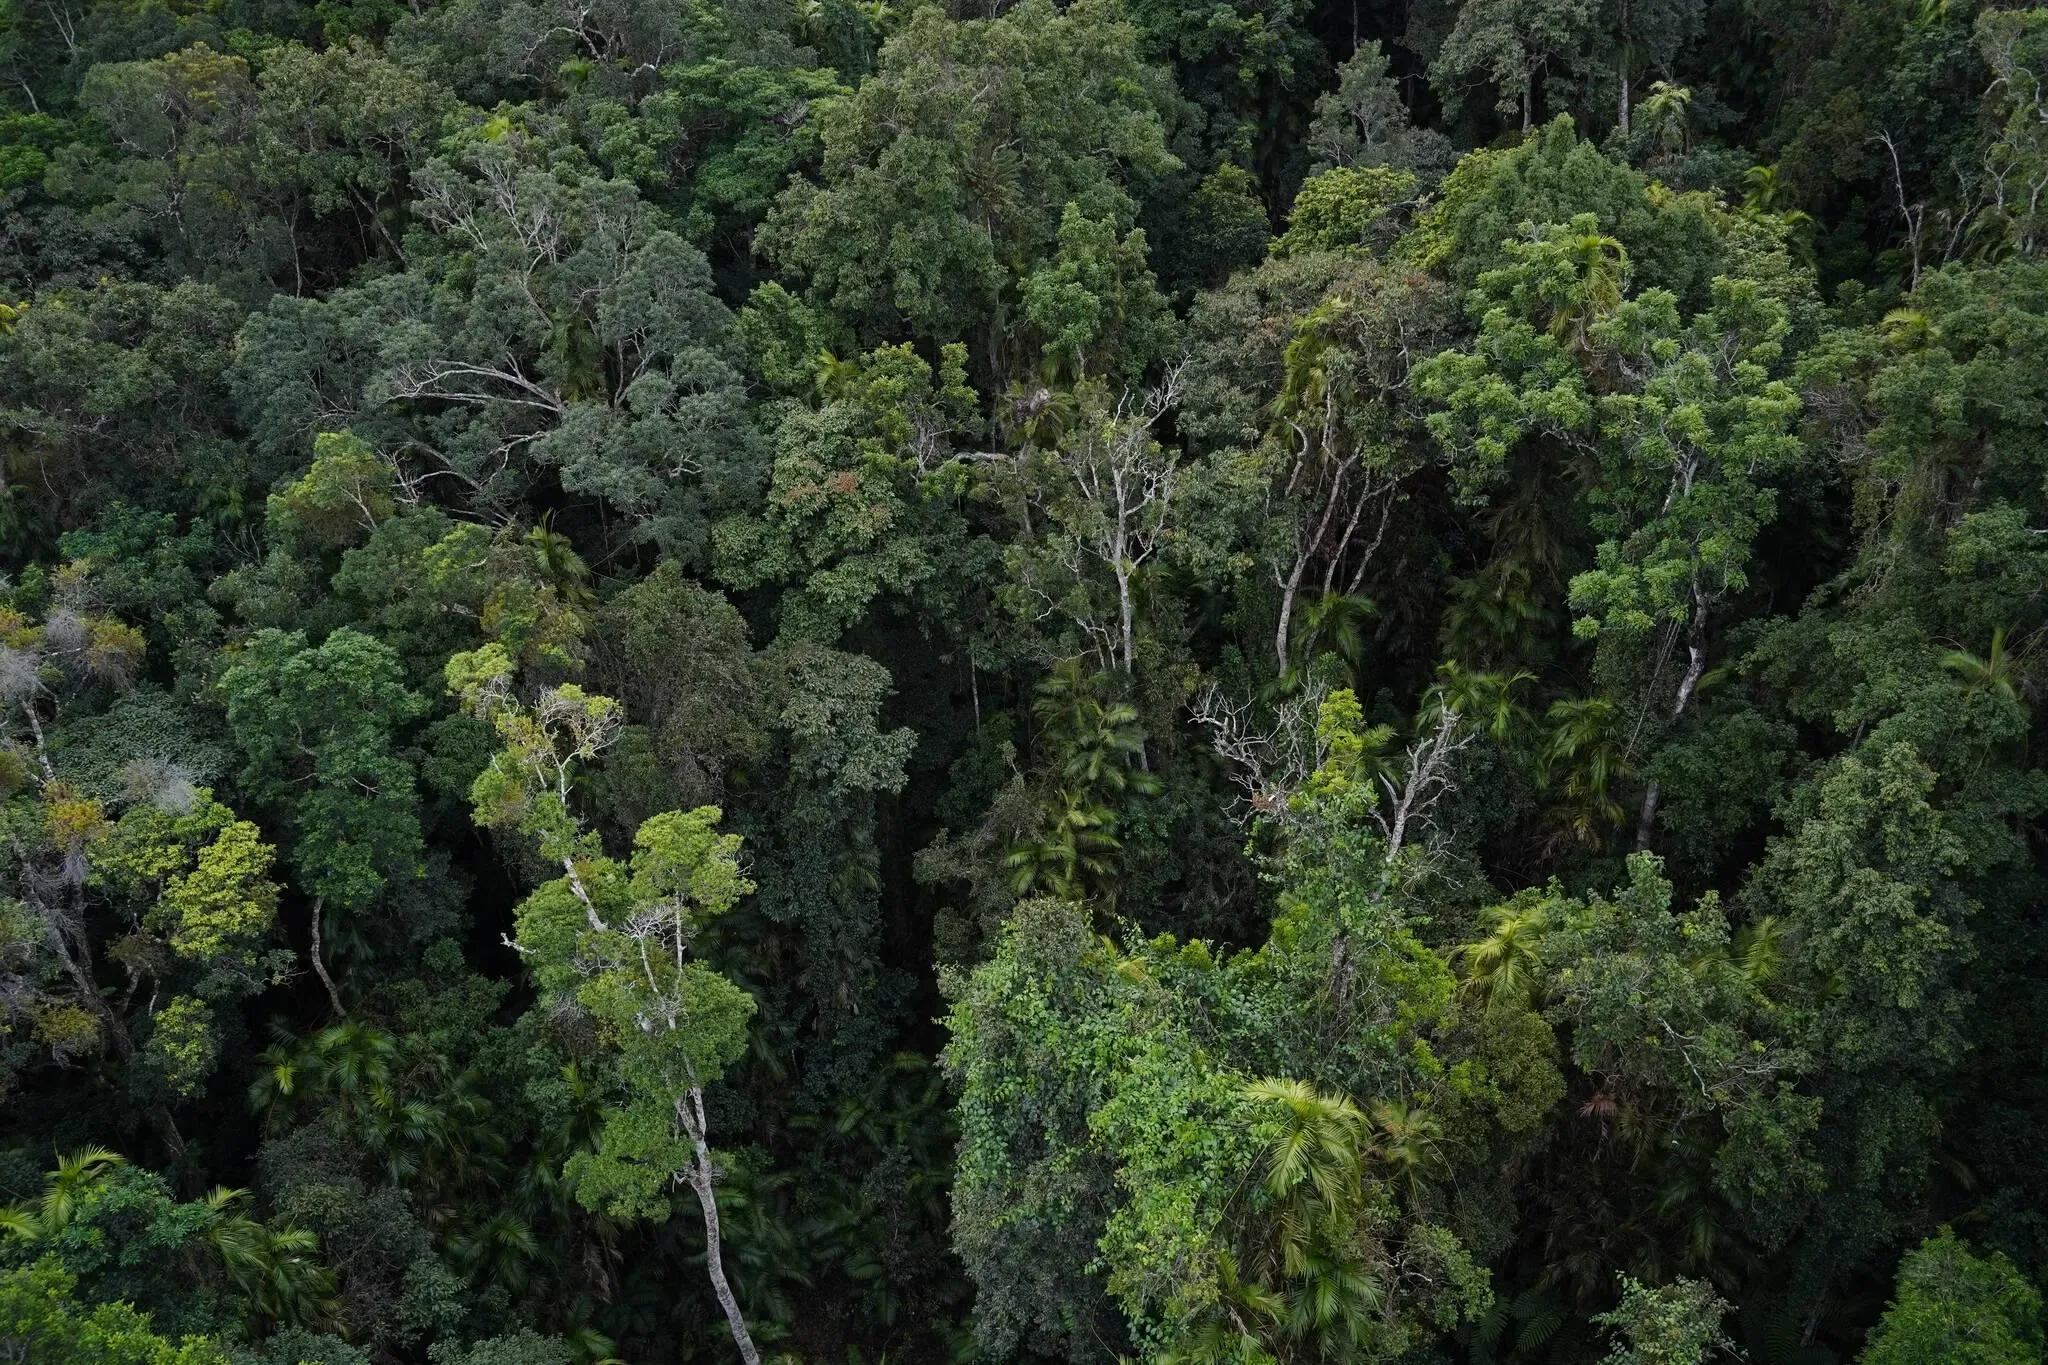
[{"x": 690, "y": 1110}]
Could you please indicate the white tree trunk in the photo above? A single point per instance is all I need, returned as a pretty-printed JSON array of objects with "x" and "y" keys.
[{"x": 690, "y": 1112}]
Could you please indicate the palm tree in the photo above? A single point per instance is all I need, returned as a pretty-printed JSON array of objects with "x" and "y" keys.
[
  {"x": 1600, "y": 274},
  {"x": 1492, "y": 616},
  {"x": 1099, "y": 743},
  {"x": 404, "y": 1103},
  {"x": 1484, "y": 700},
  {"x": 1998, "y": 672},
  {"x": 1314, "y": 1160},
  {"x": 1315, "y": 1249},
  {"x": 1333, "y": 623},
  {"x": 1667, "y": 111},
  {"x": 1585, "y": 749},
  {"x": 278, "y": 1274},
  {"x": 1505, "y": 968},
  {"x": 1231, "y": 1329},
  {"x": 560, "y": 565},
  {"x": 76, "y": 1172},
  {"x": 1406, "y": 1144},
  {"x": 1072, "y": 853}
]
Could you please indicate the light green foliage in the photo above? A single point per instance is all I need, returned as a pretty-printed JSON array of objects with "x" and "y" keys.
[
  {"x": 527, "y": 786},
  {"x": 197, "y": 879},
  {"x": 528, "y": 592},
  {"x": 195, "y": 1267},
  {"x": 1954, "y": 1305},
  {"x": 1688, "y": 420},
  {"x": 1674, "y": 1324},
  {"x": 183, "y": 1045},
  {"x": 340, "y": 499},
  {"x": 226, "y": 902},
  {"x": 1551, "y": 178},
  {"x": 1696, "y": 448},
  {"x": 613, "y": 942},
  {"x": 40, "y": 1320},
  {"x": 1340, "y": 209}
]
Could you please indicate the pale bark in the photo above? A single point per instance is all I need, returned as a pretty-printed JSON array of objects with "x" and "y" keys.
[
  {"x": 320, "y": 961},
  {"x": 1695, "y": 666},
  {"x": 690, "y": 1113}
]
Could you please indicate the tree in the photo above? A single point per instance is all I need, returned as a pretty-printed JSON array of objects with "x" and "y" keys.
[
  {"x": 1674, "y": 1324},
  {"x": 1105, "y": 494},
  {"x": 1687, "y": 421},
  {"x": 215, "y": 1270},
  {"x": 1364, "y": 122},
  {"x": 864, "y": 505},
  {"x": 613, "y": 941},
  {"x": 1238, "y": 1210},
  {"x": 107, "y": 389},
  {"x": 544, "y": 325},
  {"x": 1953, "y": 1304},
  {"x": 315, "y": 725},
  {"x": 1512, "y": 43},
  {"x": 173, "y": 889},
  {"x": 39, "y": 1320},
  {"x": 947, "y": 175},
  {"x": 1331, "y": 463}
]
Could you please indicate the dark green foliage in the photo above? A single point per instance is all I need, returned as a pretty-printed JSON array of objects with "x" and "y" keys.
[{"x": 705, "y": 680}]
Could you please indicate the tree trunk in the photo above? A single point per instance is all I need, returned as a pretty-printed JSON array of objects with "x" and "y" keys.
[
  {"x": 690, "y": 1111},
  {"x": 1128, "y": 612},
  {"x": 1695, "y": 665},
  {"x": 1624, "y": 89},
  {"x": 35, "y": 725},
  {"x": 320, "y": 961},
  {"x": 1621, "y": 67},
  {"x": 1289, "y": 590}
]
